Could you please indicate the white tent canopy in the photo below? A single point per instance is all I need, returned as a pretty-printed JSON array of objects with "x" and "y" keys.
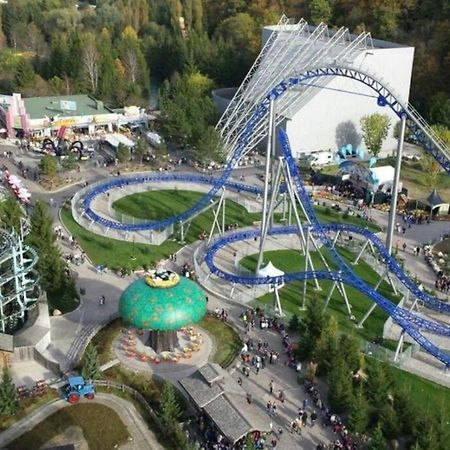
[
  {"x": 383, "y": 174},
  {"x": 270, "y": 271}
]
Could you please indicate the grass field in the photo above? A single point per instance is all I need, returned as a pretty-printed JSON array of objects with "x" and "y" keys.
[
  {"x": 427, "y": 396},
  {"x": 102, "y": 427},
  {"x": 226, "y": 340},
  {"x": 158, "y": 205},
  {"x": 114, "y": 253},
  {"x": 292, "y": 294}
]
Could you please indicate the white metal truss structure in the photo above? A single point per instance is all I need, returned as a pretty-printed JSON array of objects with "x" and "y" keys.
[
  {"x": 18, "y": 280},
  {"x": 290, "y": 49}
]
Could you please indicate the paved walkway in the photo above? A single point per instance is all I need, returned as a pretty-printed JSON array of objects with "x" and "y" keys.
[{"x": 142, "y": 437}]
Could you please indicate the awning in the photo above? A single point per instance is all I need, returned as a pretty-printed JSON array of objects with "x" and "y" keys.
[{"x": 434, "y": 199}]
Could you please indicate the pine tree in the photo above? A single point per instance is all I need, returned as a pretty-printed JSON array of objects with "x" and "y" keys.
[
  {"x": 9, "y": 404},
  {"x": 24, "y": 75},
  {"x": 41, "y": 235},
  {"x": 378, "y": 384},
  {"x": 389, "y": 421},
  {"x": 405, "y": 409},
  {"x": 91, "y": 367},
  {"x": 11, "y": 214},
  {"x": 378, "y": 442},
  {"x": 358, "y": 418},
  {"x": 327, "y": 346},
  {"x": 140, "y": 149},
  {"x": 340, "y": 393},
  {"x": 170, "y": 408},
  {"x": 349, "y": 349},
  {"x": 48, "y": 166},
  {"x": 294, "y": 323},
  {"x": 311, "y": 327}
]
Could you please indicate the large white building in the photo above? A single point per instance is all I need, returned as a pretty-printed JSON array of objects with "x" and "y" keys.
[{"x": 331, "y": 117}]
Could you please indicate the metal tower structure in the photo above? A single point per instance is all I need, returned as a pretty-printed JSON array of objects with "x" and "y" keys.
[
  {"x": 291, "y": 49},
  {"x": 18, "y": 280}
]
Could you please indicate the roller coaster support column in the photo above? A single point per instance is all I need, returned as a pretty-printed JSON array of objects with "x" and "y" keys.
[
  {"x": 181, "y": 232},
  {"x": 330, "y": 294},
  {"x": 267, "y": 223},
  {"x": 216, "y": 222},
  {"x": 266, "y": 181},
  {"x": 361, "y": 252},
  {"x": 399, "y": 345},
  {"x": 305, "y": 283},
  {"x": 336, "y": 238},
  {"x": 394, "y": 191},
  {"x": 277, "y": 301},
  {"x": 374, "y": 305}
]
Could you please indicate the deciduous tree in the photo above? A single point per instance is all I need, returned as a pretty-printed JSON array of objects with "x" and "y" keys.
[
  {"x": 123, "y": 153},
  {"x": 375, "y": 129},
  {"x": 48, "y": 166},
  {"x": 320, "y": 11},
  {"x": 91, "y": 62}
]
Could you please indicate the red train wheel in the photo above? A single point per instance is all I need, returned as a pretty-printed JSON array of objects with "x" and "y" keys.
[{"x": 90, "y": 396}]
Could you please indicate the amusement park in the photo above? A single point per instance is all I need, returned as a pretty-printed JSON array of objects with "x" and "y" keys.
[{"x": 293, "y": 294}]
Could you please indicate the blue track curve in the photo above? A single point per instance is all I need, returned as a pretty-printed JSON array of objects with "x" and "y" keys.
[
  {"x": 411, "y": 323},
  {"x": 408, "y": 321}
]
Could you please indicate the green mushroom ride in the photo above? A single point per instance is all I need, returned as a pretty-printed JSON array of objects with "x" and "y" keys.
[{"x": 162, "y": 303}]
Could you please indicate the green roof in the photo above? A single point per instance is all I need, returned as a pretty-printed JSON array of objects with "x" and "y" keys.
[
  {"x": 39, "y": 107},
  {"x": 144, "y": 307}
]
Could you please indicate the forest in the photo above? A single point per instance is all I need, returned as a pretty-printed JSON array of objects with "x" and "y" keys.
[{"x": 113, "y": 48}]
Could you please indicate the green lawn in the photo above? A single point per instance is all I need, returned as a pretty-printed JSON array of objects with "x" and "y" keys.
[
  {"x": 104, "y": 339},
  {"x": 102, "y": 427},
  {"x": 227, "y": 342},
  {"x": 292, "y": 294},
  {"x": 114, "y": 253},
  {"x": 159, "y": 205},
  {"x": 427, "y": 396}
]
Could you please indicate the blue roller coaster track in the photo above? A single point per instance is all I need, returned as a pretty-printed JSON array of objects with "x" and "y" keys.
[{"x": 411, "y": 323}]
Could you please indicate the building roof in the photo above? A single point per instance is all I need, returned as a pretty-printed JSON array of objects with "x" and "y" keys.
[
  {"x": 72, "y": 105},
  {"x": 434, "y": 199},
  {"x": 224, "y": 401},
  {"x": 162, "y": 308}
]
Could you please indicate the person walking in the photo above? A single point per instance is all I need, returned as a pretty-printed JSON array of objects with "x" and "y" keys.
[
  {"x": 271, "y": 386},
  {"x": 313, "y": 418}
]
